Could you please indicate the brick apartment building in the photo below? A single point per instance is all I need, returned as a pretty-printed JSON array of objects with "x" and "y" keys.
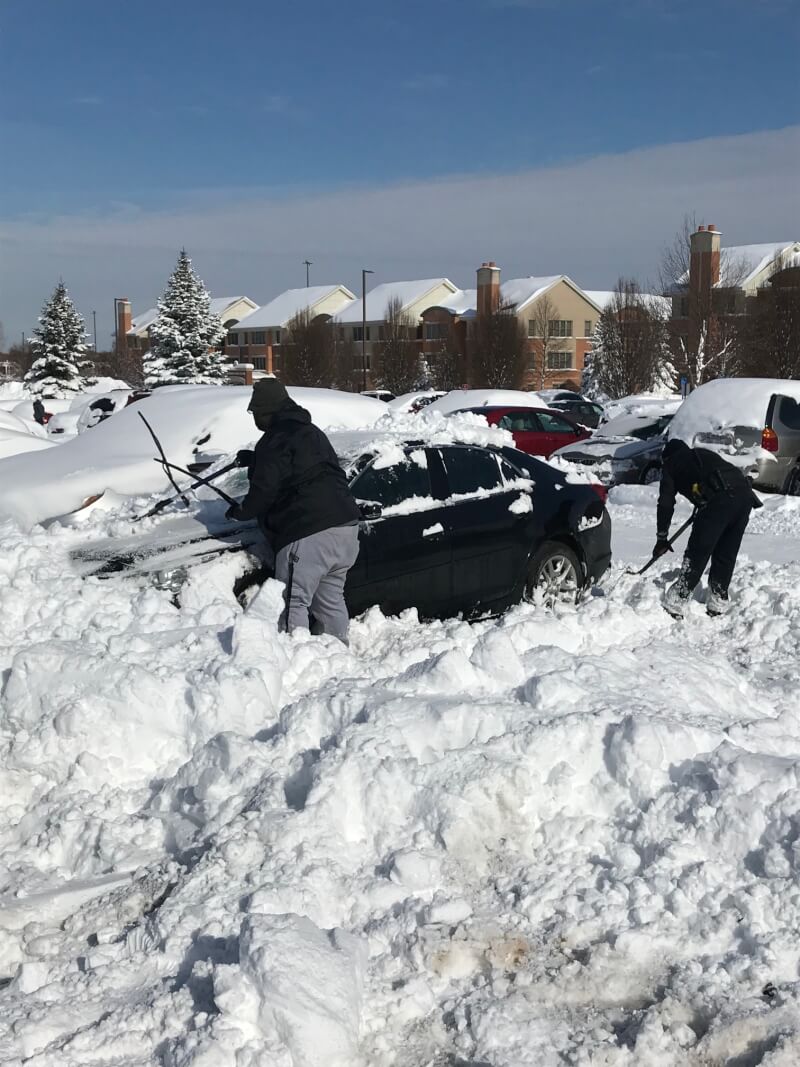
[{"x": 722, "y": 284}]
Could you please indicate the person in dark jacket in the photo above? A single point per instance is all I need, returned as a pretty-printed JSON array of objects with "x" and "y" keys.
[
  {"x": 723, "y": 497},
  {"x": 299, "y": 494},
  {"x": 38, "y": 411}
]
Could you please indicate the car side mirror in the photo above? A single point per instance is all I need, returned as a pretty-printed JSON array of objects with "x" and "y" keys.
[{"x": 370, "y": 510}]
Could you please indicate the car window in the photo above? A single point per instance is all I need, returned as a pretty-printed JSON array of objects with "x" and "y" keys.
[
  {"x": 553, "y": 424},
  {"x": 392, "y": 485},
  {"x": 644, "y": 433},
  {"x": 790, "y": 413},
  {"x": 519, "y": 422},
  {"x": 470, "y": 470}
]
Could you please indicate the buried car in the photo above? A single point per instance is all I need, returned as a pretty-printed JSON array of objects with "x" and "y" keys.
[
  {"x": 446, "y": 529},
  {"x": 753, "y": 422},
  {"x": 623, "y": 451}
]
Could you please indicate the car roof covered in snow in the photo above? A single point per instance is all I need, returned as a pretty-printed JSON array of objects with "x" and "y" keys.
[
  {"x": 728, "y": 402},
  {"x": 464, "y": 399}
]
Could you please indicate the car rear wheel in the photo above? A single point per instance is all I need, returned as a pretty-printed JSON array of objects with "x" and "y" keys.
[
  {"x": 651, "y": 474},
  {"x": 554, "y": 576},
  {"x": 793, "y": 482}
]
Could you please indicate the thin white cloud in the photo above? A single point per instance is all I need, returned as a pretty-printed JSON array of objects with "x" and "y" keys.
[{"x": 594, "y": 220}]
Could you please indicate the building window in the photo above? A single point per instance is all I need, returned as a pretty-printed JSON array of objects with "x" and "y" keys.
[
  {"x": 233, "y": 338},
  {"x": 258, "y": 338},
  {"x": 260, "y": 362},
  {"x": 684, "y": 307},
  {"x": 435, "y": 331},
  {"x": 277, "y": 337},
  {"x": 559, "y": 360},
  {"x": 588, "y": 328},
  {"x": 358, "y": 333},
  {"x": 532, "y": 329},
  {"x": 560, "y": 327}
]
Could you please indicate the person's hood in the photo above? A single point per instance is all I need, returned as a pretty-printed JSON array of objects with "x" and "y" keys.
[
  {"x": 291, "y": 412},
  {"x": 675, "y": 449}
]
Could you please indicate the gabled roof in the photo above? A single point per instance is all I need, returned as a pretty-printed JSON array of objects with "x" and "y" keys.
[
  {"x": 524, "y": 291},
  {"x": 219, "y": 305},
  {"x": 408, "y": 293},
  {"x": 280, "y": 311}
]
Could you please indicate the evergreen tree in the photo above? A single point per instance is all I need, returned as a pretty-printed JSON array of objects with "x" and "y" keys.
[
  {"x": 61, "y": 360},
  {"x": 186, "y": 336}
]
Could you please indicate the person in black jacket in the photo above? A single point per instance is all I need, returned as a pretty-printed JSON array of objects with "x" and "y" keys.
[
  {"x": 722, "y": 495},
  {"x": 299, "y": 494}
]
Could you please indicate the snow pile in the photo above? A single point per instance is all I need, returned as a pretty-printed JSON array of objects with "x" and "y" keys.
[
  {"x": 529, "y": 841},
  {"x": 118, "y": 453}
]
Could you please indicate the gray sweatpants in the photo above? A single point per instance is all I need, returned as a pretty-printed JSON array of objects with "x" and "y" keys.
[{"x": 314, "y": 570}]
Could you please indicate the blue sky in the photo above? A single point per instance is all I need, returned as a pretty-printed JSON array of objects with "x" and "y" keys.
[{"x": 111, "y": 110}]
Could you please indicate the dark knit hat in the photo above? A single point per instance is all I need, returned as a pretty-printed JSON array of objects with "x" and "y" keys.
[{"x": 269, "y": 396}]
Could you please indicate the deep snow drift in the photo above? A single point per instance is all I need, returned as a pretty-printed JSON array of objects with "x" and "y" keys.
[{"x": 531, "y": 841}]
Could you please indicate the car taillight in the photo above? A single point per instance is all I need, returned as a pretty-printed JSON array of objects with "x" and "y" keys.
[
  {"x": 601, "y": 490},
  {"x": 769, "y": 440}
]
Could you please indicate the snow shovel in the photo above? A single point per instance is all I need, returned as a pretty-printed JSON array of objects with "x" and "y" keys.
[
  {"x": 195, "y": 485},
  {"x": 652, "y": 560}
]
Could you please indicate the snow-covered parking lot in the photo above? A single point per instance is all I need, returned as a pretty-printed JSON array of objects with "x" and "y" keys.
[{"x": 538, "y": 840}]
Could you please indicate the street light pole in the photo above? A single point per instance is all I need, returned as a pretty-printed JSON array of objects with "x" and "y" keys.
[
  {"x": 307, "y": 263},
  {"x": 94, "y": 322},
  {"x": 364, "y": 274}
]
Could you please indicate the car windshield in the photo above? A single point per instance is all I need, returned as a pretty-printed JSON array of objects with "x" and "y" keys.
[{"x": 637, "y": 426}]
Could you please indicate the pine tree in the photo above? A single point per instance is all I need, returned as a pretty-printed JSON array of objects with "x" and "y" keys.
[
  {"x": 61, "y": 361},
  {"x": 186, "y": 335}
]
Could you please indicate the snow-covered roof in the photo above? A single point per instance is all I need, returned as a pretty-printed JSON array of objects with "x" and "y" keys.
[
  {"x": 280, "y": 311},
  {"x": 742, "y": 265},
  {"x": 603, "y": 298},
  {"x": 521, "y": 291},
  {"x": 140, "y": 324},
  {"x": 753, "y": 259},
  {"x": 462, "y": 302},
  {"x": 408, "y": 293}
]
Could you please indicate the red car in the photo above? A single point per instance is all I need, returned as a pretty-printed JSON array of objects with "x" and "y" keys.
[{"x": 539, "y": 432}]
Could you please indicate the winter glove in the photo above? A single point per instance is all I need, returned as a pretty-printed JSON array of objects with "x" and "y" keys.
[
  {"x": 662, "y": 547},
  {"x": 244, "y": 457},
  {"x": 234, "y": 512}
]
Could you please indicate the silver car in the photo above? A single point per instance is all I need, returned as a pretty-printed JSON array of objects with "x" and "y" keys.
[
  {"x": 624, "y": 450},
  {"x": 753, "y": 422}
]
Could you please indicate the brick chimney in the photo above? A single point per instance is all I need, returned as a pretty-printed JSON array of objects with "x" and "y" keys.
[
  {"x": 488, "y": 289},
  {"x": 124, "y": 320},
  {"x": 704, "y": 248}
]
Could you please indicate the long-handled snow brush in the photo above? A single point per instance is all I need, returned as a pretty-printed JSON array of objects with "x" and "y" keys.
[
  {"x": 198, "y": 481},
  {"x": 633, "y": 571},
  {"x": 203, "y": 481},
  {"x": 163, "y": 460}
]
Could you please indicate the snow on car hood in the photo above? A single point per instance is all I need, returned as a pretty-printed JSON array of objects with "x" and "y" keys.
[
  {"x": 607, "y": 447},
  {"x": 118, "y": 453}
]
